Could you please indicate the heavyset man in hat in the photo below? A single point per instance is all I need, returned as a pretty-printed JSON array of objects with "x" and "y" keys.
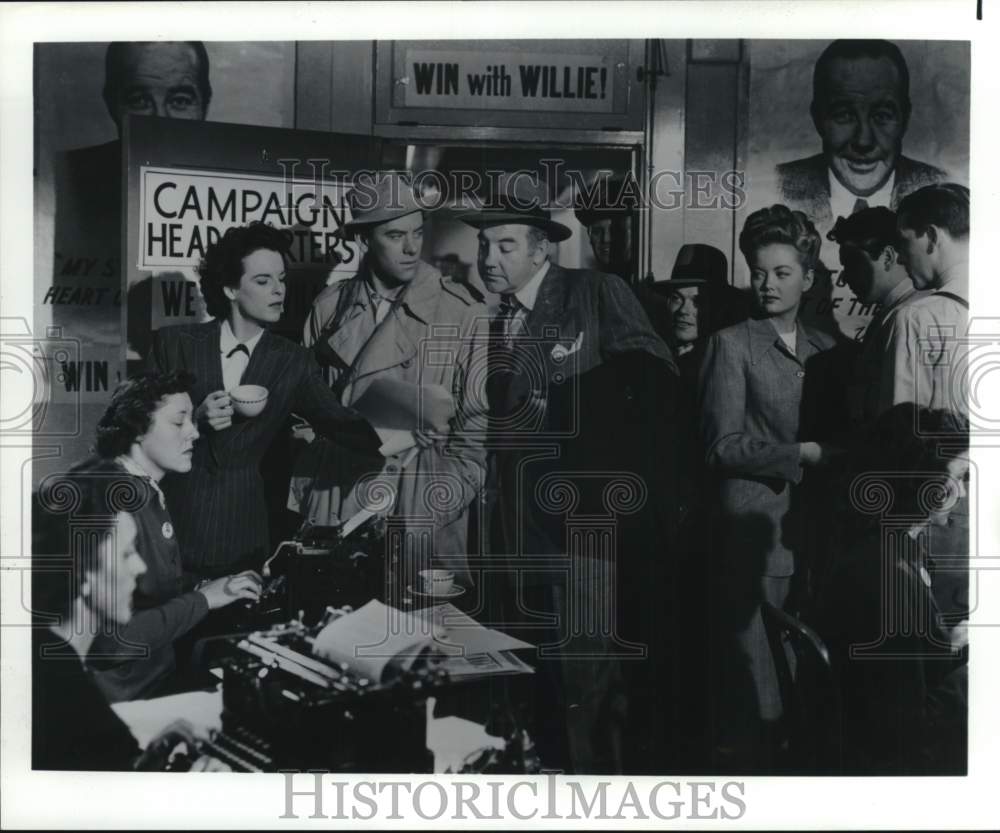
[
  {"x": 579, "y": 385},
  {"x": 398, "y": 318}
]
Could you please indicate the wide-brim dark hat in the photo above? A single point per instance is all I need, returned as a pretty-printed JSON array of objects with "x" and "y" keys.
[
  {"x": 697, "y": 264},
  {"x": 517, "y": 201},
  {"x": 607, "y": 200}
]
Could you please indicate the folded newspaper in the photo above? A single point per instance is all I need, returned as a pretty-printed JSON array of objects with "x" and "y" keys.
[{"x": 381, "y": 643}]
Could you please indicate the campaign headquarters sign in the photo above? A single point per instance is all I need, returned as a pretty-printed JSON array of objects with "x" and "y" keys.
[{"x": 182, "y": 212}]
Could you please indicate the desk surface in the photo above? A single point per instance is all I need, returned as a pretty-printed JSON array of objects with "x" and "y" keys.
[{"x": 451, "y": 739}]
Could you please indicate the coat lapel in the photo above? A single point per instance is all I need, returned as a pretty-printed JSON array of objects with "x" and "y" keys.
[
  {"x": 203, "y": 355},
  {"x": 265, "y": 369},
  {"x": 396, "y": 340},
  {"x": 543, "y": 328},
  {"x": 345, "y": 340}
]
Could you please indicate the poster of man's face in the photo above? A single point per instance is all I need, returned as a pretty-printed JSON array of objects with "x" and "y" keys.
[
  {"x": 860, "y": 112},
  {"x": 169, "y": 79},
  {"x": 839, "y": 126}
]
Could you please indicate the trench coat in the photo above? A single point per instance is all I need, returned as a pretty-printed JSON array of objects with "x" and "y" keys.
[{"x": 435, "y": 333}]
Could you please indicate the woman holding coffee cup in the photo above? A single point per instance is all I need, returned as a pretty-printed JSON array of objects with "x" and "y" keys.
[{"x": 220, "y": 507}]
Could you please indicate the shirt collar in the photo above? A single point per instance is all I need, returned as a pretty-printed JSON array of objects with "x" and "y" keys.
[
  {"x": 897, "y": 293},
  {"x": 528, "y": 293},
  {"x": 955, "y": 279},
  {"x": 227, "y": 340},
  {"x": 842, "y": 201},
  {"x": 132, "y": 467},
  {"x": 375, "y": 294}
]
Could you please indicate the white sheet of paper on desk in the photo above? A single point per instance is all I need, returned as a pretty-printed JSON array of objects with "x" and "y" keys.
[
  {"x": 461, "y": 629},
  {"x": 371, "y": 637},
  {"x": 403, "y": 406},
  {"x": 147, "y": 718}
]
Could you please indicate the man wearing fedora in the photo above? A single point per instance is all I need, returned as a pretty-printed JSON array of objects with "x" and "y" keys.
[
  {"x": 399, "y": 319},
  {"x": 579, "y": 383}
]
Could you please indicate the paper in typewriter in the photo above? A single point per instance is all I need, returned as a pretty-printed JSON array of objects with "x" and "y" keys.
[{"x": 376, "y": 641}]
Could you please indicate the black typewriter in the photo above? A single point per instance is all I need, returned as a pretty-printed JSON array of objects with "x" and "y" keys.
[
  {"x": 321, "y": 566},
  {"x": 284, "y": 708}
]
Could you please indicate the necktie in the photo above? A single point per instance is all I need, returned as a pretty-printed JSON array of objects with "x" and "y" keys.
[
  {"x": 509, "y": 307},
  {"x": 234, "y": 365},
  {"x": 860, "y": 204},
  {"x": 500, "y": 355}
]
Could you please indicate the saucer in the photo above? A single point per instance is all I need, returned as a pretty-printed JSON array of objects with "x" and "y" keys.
[{"x": 456, "y": 591}]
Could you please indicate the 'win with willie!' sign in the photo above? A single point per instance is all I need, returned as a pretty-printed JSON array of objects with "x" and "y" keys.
[{"x": 508, "y": 81}]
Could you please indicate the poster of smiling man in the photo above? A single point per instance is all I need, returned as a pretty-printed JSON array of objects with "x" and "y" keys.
[{"x": 839, "y": 126}]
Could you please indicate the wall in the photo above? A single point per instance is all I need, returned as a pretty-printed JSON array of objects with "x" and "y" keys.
[{"x": 77, "y": 207}]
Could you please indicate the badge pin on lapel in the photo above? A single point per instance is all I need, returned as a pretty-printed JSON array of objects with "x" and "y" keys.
[{"x": 560, "y": 353}]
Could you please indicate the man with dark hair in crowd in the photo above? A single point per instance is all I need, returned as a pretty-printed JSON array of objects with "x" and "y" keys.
[
  {"x": 933, "y": 225},
  {"x": 861, "y": 109},
  {"x": 872, "y": 269},
  {"x": 611, "y": 218}
]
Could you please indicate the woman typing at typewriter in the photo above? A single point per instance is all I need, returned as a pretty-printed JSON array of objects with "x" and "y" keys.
[
  {"x": 85, "y": 564},
  {"x": 146, "y": 432}
]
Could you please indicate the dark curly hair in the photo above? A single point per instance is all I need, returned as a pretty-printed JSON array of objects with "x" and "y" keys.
[
  {"x": 779, "y": 224},
  {"x": 223, "y": 262},
  {"x": 92, "y": 494},
  {"x": 871, "y": 230},
  {"x": 132, "y": 407}
]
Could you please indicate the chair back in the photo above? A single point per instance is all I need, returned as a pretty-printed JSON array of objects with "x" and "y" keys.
[{"x": 810, "y": 696}]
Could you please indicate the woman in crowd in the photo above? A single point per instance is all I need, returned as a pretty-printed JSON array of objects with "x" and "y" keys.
[
  {"x": 84, "y": 570},
  {"x": 760, "y": 436},
  {"x": 901, "y": 669},
  {"x": 220, "y": 508},
  {"x": 146, "y": 432}
]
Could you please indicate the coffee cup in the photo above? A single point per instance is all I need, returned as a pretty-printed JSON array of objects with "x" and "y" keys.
[
  {"x": 248, "y": 400},
  {"x": 437, "y": 582}
]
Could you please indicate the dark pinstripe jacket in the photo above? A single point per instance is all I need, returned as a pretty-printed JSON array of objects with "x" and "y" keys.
[{"x": 219, "y": 508}]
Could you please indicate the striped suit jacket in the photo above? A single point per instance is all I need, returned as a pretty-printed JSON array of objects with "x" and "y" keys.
[{"x": 219, "y": 508}]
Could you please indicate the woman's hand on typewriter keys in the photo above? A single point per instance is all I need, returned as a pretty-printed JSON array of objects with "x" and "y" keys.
[
  {"x": 228, "y": 589},
  {"x": 206, "y": 763}
]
